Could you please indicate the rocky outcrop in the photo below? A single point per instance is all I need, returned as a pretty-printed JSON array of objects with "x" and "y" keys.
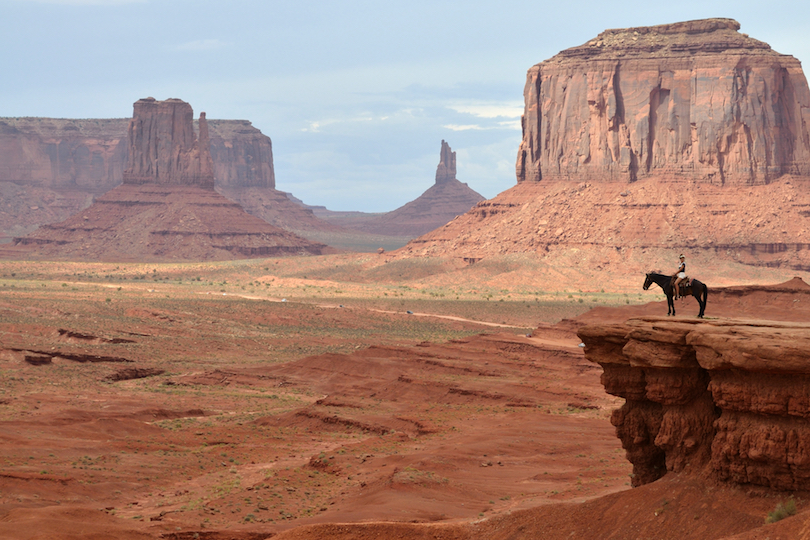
[
  {"x": 446, "y": 199},
  {"x": 446, "y": 170},
  {"x": 729, "y": 398},
  {"x": 695, "y": 99},
  {"x": 163, "y": 148}
]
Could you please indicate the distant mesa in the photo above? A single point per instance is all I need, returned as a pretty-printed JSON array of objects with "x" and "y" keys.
[
  {"x": 167, "y": 208},
  {"x": 695, "y": 99},
  {"x": 647, "y": 141},
  {"x": 441, "y": 203}
]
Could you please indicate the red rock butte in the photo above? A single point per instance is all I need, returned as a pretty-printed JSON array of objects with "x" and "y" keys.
[
  {"x": 163, "y": 148},
  {"x": 167, "y": 208},
  {"x": 446, "y": 199},
  {"x": 695, "y": 99}
]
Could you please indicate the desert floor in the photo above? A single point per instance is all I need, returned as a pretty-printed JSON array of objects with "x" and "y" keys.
[{"x": 248, "y": 399}]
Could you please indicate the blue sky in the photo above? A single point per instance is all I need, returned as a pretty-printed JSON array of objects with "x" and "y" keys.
[{"x": 356, "y": 95}]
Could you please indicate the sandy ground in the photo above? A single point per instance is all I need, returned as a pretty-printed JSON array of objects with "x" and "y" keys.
[{"x": 145, "y": 402}]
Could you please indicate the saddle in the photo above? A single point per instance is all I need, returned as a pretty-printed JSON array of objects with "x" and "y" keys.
[{"x": 684, "y": 288}]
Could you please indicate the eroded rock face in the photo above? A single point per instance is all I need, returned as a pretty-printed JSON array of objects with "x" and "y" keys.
[
  {"x": 447, "y": 164},
  {"x": 163, "y": 148},
  {"x": 728, "y": 396},
  {"x": 696, "y": 99},
  {"x": 63, "y": 154}
]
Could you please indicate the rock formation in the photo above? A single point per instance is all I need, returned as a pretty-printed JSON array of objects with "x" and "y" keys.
[
  {"x": 695, "y": 99},
  {"x": 729, "y": 398},
  {"x": 90, "y": 155},
  {"x": 447, "y": 164},
  {"x": 243, "y": 155},
  {"x": 441, "y": 203},
  {"x": 167, "y": 208},
  {"x": 647, "y": 142},
  {"x": 163, "y": 148},
  {"x": 62, "y": 154}
]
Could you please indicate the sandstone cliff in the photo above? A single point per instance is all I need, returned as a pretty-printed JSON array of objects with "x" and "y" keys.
[
  {"x": 90, "y": 155},
  {"x": 57, "y": 153},
  {"x": 727, "y": 398},
  {"x": 163, "y": 148},
  {"x": 695, "y": 99}
]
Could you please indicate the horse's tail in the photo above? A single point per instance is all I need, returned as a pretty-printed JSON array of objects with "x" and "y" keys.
[{"x": 705, "y": 293}]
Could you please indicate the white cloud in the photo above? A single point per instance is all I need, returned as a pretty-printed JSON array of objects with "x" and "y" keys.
[
  {"x": 202, "y": 45},
  {"x": 511, "y": 109},
  {"x": 456, "y": 127}
]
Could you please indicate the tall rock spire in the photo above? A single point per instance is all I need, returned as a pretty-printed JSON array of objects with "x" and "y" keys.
[
  {"x": 447, "y": 164},
  {"x": 163, "y": 148}
]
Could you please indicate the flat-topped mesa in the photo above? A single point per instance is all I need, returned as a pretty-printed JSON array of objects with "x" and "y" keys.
[
  {"x": 697, "y": 100},
  {"x": 163, "y": 148},
  {"x": 447, "y": 164}
]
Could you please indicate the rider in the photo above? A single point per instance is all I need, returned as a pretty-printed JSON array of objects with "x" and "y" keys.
[{"x": 680, "y": 275}]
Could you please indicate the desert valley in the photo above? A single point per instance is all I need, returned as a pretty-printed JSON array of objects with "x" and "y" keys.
[{"x": 187, "y": 352}]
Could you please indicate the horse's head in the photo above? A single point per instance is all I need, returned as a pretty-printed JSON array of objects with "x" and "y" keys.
[{"x": 648, "y": 281}]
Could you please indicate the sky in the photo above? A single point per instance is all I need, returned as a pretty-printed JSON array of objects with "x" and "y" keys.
[{"x": 356, "y": 95}]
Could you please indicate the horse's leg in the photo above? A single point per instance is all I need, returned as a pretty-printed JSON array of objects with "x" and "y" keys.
[
  {"x": 670, "y": 305},
  {"x": 705, "y": 294}
]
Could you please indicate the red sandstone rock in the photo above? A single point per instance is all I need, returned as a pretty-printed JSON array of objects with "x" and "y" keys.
[
  {"x": 446, "y": 169},
  {"x": 153, "y": 222},
  {"x": 163, "y": 148},
  {"x": 63, "y": 154},
  {"x": 728, "y": 396},
  {"x": 696, "y": 99},
  {"x": 167, "y": 208}
]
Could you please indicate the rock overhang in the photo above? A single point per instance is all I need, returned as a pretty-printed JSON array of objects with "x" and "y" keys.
[{"x": 727, "y": 398}]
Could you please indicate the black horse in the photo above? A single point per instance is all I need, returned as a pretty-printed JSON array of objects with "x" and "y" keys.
[{"x": 697, "y": 289}]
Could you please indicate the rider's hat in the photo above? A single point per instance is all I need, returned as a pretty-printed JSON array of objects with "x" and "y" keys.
[{"x": 681, "y": 256}]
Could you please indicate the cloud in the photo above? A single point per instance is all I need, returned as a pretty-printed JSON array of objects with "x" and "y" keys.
[
  {"x": 202, "y": 45},
  {"x": 491, "y": 110},
  {"x": 456, "y": 127}
]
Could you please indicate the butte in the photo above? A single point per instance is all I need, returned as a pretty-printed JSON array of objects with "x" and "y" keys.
[
  {"x": 646, "y": 142},
  {"x": 438, "y": 205},
  {"x": 166, "y": 209}
]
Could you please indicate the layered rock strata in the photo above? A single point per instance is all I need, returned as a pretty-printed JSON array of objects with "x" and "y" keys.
[
  {"x": 730, "y": 398},
  {"x": 152, "y": 222},
  {"x": 694, "y": 99},
  {"x": 167, "y": 208},
  {"x": 163, "y": 147},
  {"x": 62, "y": 154},
  {"x": 90, "y": 155}
]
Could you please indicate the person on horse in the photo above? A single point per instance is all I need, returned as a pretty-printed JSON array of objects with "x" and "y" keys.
[{"x": 679, "y": 276}]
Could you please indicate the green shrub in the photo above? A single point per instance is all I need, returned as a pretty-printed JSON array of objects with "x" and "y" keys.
[{"x": 782, "y": 511}]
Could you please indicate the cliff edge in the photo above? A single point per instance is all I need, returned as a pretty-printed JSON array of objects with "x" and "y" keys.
[{"x": 727, "y": 399}]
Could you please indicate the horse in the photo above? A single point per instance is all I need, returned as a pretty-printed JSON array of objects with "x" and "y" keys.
[{"x": 697, "y": 289}]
